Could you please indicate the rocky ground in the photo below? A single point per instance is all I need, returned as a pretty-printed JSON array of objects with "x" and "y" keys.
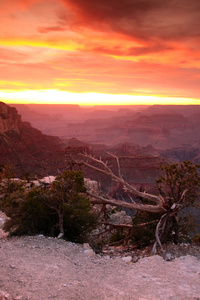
[{"x": 39, "y": 268}]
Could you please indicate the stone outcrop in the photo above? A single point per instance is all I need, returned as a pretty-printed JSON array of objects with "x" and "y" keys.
[
  {"x": 120, "y": 217},
  {"x": 3, "y": 234},
  {"x": 9, "y": 118},
  {"x": 27, "y": 148}
]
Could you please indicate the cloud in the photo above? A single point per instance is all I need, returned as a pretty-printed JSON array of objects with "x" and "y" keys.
[
  {"x": 10, "y": 6},
  {"x": 50, "y": 29},
  {"x": 132, "y": 51},
  {"x": 91, "y": 72},
  {"x": 142, "y": 19},
  {"x": 137, "y": 51},
  {"x": 24, "y": 4},
  {"x": 8, "y": 55}
]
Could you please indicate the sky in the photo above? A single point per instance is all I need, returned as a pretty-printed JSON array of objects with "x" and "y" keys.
[{"x": 100, "y": 52}]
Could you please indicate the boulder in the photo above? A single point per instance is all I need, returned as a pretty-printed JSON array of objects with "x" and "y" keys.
[{"x": 120, "y": 217}]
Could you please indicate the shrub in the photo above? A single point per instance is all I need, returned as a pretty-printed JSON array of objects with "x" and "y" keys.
[
  {"x": 196, "y": 239},
  {"x": 42, "y": 210},
  {"x": 32, "y": 216}
]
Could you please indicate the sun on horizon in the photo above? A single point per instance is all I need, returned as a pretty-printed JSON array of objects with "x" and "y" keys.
[{"x": 54, "y": 96}]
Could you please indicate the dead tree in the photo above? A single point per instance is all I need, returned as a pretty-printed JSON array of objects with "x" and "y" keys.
[{"x": 156, "y": 203}]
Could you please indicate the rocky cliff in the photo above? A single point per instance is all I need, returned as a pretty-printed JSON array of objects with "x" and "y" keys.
[
  {"x": 25, "y": 147},
  {"x": 9, "y": 118}
]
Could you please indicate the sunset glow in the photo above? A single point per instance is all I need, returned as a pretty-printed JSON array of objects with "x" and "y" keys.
[
  {"x": 100, "y": 52},
  {"x": 87, "y": 99}
]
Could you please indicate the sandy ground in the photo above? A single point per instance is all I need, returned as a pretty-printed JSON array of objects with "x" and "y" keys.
[{"x": 48, "y": 268}]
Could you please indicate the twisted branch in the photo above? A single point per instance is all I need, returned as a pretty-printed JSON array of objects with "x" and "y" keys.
[{"x": 106, "y": 170}]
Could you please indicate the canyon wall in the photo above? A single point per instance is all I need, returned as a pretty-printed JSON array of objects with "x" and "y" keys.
[
  {"x": 9, "y": 118},
  {"x": 25, "y": 148}
]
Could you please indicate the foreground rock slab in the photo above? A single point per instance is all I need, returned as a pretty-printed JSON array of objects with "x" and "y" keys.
[{"x": 48, "y": 268}]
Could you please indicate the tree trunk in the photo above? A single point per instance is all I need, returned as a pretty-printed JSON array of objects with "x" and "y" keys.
[{"x": 61, "y": 226}]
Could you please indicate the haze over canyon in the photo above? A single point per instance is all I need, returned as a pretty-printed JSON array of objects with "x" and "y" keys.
[
  {"x": 38, "y": 138},
  {"x": 172, "y": 130}
]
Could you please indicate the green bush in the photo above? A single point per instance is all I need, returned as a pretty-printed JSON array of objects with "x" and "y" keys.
[
  {"x": 32, "y": 216},
  {"x": 196, "y": 239},
  {"x": 41, "y": 210},
  {"x": 79, "y": 220}
]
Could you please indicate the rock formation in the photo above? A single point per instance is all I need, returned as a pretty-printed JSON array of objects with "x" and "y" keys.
[
  {"x": 9, "y": 118},
  {"x": 25, "y": 147}
]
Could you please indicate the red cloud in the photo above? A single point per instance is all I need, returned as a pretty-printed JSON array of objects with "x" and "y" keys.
[
  {"x": 26, "y": 3},
  {"x": 50, "y": 29},
  {"x": 143, "y": 19},
  {"x": 132, "y": 51},
  {"x": 12, "y": 5}
]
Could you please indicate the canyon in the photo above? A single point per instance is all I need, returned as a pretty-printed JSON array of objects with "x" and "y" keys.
[
  {"x": 142, "y": 137},
  {"x": 171, "y": 130}
]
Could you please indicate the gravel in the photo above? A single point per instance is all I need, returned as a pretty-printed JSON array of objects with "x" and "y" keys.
[{"x": 40, "y": 268}]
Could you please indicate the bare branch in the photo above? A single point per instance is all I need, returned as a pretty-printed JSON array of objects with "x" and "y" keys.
[
  {"x": 157, "y": 236},
  {"x": 129, "y": 225},
  {"x": 106, "y": 170},
  {"x": 157, "y": 231},
  {"x": 131, "y": 199},
  {"x": 118, "y": 164},
  {"x": 162, "y": 199},
  {"x": 182, "y": 196},
  {"x": 119, "y": 203},
  {"x": 118, "y": 225}
]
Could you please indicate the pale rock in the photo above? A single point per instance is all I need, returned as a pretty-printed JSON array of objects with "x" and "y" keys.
[
  {"x": 3, "y": 234},
  {"x": 89, "y": 252},
  {"x": 2, "y": 221},
  {"x": 120, "y": 217},
  {"x": 2, "y": 294},
  {"x": 12, "y": 267},
  {"x": 135, "y": 259},
  {"x": 106, "y": 257},
  {"x": 60, "y": 236},
  {"x": 86, "y": 246},
  {"x": 91, "y": 185},
  {"x": 7, "y": 297},
  {"x": 127, "y": 259},
  {"x": 40, "y": 235},
  {"x": 168, "y": 257}
]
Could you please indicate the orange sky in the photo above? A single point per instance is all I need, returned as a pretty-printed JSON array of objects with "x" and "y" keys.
[{"x": 71, "y": 50}]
